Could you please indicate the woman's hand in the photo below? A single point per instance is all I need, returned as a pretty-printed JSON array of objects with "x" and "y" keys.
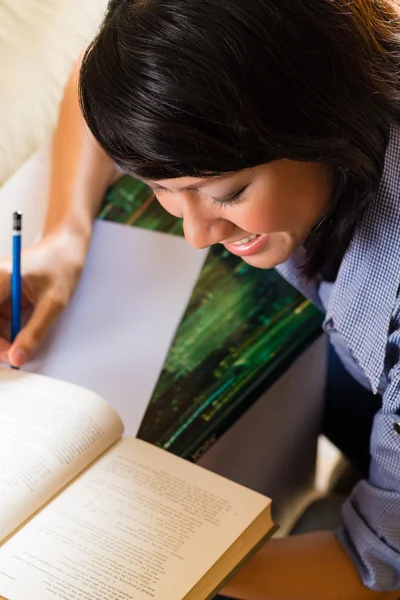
[
  {"x": 50, "y": 272},
  {"x": 80, "y": 175}
]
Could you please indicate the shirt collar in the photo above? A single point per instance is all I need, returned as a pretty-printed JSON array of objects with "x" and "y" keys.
[{"x": 366, "y": 287}]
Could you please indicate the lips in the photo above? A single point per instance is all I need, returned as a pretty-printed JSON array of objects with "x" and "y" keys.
[{"x": 248, "y": 246}]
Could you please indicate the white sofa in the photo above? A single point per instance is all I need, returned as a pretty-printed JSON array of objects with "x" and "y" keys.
[{"x": 39, "y": 41}]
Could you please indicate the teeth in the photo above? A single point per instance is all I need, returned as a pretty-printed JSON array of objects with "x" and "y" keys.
[{"x": 245, "y": 240}]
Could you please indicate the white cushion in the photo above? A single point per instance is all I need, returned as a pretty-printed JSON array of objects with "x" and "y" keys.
[{"x": 39, "y": 42}]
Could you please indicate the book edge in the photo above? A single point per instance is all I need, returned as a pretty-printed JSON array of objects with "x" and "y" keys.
[{"x": 197, "y": 592}]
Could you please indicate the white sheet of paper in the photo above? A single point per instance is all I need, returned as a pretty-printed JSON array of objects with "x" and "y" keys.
[{"x": 115, "y": 334}]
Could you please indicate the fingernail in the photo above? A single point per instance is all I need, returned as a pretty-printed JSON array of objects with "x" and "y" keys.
[{"x": 19, "y": 357}]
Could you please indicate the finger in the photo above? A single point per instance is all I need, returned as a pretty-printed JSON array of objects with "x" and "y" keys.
[
  {"x": 5, "y": 294},
  {"x": 4, "y": 348},
  {"x": 5, "y": 307},
  {"x": 45, "y": 312},
  {"x": 5, "y": 322}
]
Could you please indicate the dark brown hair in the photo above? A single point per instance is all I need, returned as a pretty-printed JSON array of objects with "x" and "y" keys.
[{"x": 174, "y": 88}]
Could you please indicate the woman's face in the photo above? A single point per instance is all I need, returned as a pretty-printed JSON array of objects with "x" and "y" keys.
[{"x": 261, "y": 214}]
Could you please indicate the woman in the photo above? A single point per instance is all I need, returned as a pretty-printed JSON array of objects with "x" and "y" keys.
[{"x": 272, "y": 127}]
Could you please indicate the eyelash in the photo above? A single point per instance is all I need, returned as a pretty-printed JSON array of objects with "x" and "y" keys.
[
  {"x": 220, "y": 203},
  {"x": 236, "y": 199}
]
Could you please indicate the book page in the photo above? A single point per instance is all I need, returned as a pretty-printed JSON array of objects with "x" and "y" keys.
[
  {"x": 139, "y": 524},
  {"x": 49, "y": 432}
]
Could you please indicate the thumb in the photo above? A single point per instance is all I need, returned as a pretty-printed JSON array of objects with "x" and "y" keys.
[{"x": 45, "y": 312}]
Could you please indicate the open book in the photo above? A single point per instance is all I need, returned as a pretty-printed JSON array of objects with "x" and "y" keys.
[{"x": 88, "y": 514}]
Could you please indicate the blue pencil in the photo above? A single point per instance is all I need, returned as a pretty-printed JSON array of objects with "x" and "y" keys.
[{"x": 16, "y": 277}]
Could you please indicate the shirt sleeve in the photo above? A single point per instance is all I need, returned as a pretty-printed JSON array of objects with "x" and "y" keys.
[{"x": 371, "y": 515}]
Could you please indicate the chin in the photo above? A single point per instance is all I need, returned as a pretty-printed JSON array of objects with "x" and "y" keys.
[
  {"x": 267, "y": 260},
  {"x": 260, "y": 263}
]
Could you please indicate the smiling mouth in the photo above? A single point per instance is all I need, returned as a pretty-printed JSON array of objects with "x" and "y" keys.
[
  {"x": 249, "y": 245},
  {"x": 245, "y": 240}
]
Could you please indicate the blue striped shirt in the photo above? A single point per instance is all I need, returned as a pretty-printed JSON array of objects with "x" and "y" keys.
[{"x": 362, "y": 318}]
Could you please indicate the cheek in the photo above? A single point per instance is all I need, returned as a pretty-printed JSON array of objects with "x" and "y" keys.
[
  {"x": 276, "y": 207},
  {"x": 299, "y": 210},
  {"x": 281, "y": 205},
  {"x": 258, "y": 214},
  {"x": 300, "y": 193}
]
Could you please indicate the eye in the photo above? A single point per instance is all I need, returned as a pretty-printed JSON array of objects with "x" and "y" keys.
[{"x": 230, "y": 200}]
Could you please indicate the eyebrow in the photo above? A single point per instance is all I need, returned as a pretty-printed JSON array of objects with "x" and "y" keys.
[{"x": 208, "y": 180}]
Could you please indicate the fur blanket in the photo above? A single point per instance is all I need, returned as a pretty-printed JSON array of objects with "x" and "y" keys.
[{"x": 39, "y": 41}]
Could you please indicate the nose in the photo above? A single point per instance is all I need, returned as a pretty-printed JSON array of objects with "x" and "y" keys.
[{"x": 201, "y": 228}]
